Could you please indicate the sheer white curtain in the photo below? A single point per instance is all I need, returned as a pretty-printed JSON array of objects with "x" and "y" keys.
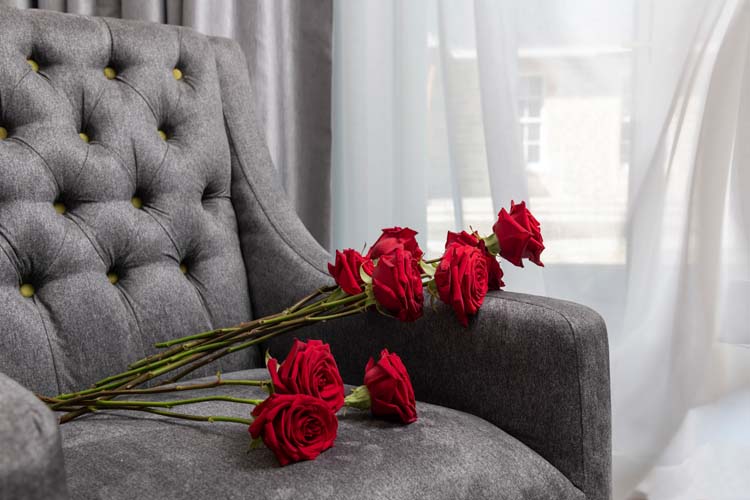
[{"x": 626, "y": 125}]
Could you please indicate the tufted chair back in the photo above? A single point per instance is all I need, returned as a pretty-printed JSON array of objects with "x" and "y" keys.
[{"x": 118, "y": 196}]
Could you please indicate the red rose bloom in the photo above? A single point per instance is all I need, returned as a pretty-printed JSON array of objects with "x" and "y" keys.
[
  {"x": 310, "y": 369},
  {"x": 346, "y": 270},
  {"x": 397, "y": 285},
  {"x": 462, "y": 279},
  {"x": 393, "y": 238},
  {"x": 391, "y": 392},
  {"x": 494, "y": 273},
  {"x": 294, "y": 427},
  {"x": 518, "y": 234}
]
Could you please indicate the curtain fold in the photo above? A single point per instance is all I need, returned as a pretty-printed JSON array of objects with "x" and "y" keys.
[
  {"x": 625, "y": 124},
  {"x": 379, "y": 118},
  {"x": 288, "y": 49}
]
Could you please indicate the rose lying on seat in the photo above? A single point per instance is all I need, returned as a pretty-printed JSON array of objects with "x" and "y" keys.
[{"x": 294, "y": 427}]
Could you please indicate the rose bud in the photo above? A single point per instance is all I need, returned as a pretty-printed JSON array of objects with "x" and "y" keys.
[
  {"x": 346, "y": 270},
  {"x": 387, "y": 392},
  {"x": 310, "y": 369},
  {"x": 294, "y": 427},
  {"x": 517, "y": 235},
  {"x": 393, "y": 238},
  {"x": 397, "y": 285}
]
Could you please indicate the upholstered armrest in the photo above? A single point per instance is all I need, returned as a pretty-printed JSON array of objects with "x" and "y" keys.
[
  {"x": 536, "y": 367},
  {"x": 31, "y": 459}
]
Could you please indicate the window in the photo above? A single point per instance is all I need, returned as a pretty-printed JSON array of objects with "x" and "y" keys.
[
  {"x": 530, "y": 101},
  {"x": 625, "y": 141}
]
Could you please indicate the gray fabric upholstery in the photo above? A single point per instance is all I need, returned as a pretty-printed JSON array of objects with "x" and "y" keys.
[
  {"x": 287, "y": 45},
  {"x": 446, "y": 454},
  {"x": 535, "y": 368},
  {"x": 78, "y": 326},
  {"x": 31, "y": 459},
  {"x": 282, "y": 259}
]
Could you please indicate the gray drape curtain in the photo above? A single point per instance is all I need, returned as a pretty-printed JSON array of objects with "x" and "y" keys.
[{"x": 288, "y": 48}]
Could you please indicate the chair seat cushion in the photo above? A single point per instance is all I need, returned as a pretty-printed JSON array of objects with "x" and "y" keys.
[{"x": 446, "y": 454}]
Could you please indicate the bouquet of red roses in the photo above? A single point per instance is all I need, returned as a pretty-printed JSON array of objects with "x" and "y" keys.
[{"x": 298, "y": 418}]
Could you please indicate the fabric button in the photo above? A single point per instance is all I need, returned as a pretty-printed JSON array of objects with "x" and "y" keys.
[
  {"x": 113, "y": 278},
  {"x": 84, "y": 137},
  {"x": 60, "y": 208},
  {"x": 110, "y": 73},
  {"x": 183, "y": 268},
  {"x": 34, "y": 65},
  {"x": 163, "y": 135},
  {"x": 3, "y": 133},
  {"x": 137, "y": 202},
  {"x": 27, "y": 290},
  {"x": 177, "y": 74}
]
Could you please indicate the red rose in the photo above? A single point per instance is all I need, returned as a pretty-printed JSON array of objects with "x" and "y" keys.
[
  {"x": 346, "y": 270},
  {"x": 294, "y": 427},
  {"x": 462, "y": 279},
  {"x": 397, "y": 285},
  {"x": 518, "y": 234},
  {"x": 494, "y": 273},
  {"x": 310, "y": 369},
  {"x": 393, "y": 238},
  {"x": 389, "y": 385}
]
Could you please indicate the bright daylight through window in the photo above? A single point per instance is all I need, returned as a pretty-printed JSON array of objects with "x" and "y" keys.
[{"x": 574, "y": 124}]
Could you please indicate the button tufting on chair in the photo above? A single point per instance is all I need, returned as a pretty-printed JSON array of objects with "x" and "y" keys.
[
  {"x": 64, "y": 212},
  {"x": 183, "y": 268},
  {"x": 27, "y": 290},
  {"x": 113, "y": 278}
]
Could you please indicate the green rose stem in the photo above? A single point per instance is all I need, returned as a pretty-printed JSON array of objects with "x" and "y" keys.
[
  {"x": 357, "y": 308},
  {"x": 56, "y": 404},
  {"x": 194, "y": 340},
  {"x": 290, "y": 320},
  {"x": 183, "y": 345},
  {"x": 186, "y": 416},
  {"x": 144, "y": 377},
  {"x": 223, "y": 352},
  {"x": 228, "y": 350},
  {"x": 102, "y": 403},
  {"x": 224, "y": 339},
  {"x": 209, "y": 349},
  {"x": 252, "y": 326},
  {"x": 199, "y": 418},
  {"x": 291, "y": 325}
]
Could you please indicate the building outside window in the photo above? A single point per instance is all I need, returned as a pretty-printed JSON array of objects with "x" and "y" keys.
[{"x": 530, "y": 103}]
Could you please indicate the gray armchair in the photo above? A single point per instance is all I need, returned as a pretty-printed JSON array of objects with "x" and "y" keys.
[{"x": 139, "y": 203}]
